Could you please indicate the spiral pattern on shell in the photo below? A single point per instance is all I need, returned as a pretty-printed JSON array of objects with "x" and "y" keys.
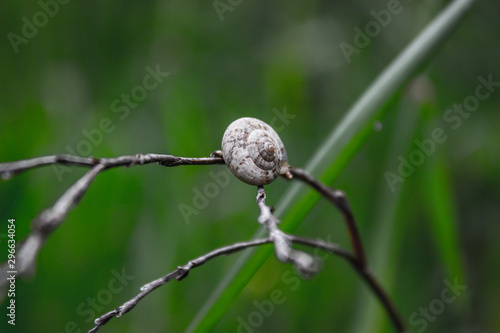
[{"x": 253, "y": 151}]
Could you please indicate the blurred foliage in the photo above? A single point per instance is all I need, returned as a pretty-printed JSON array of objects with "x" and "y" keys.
[{"x": 260, "y": 59}]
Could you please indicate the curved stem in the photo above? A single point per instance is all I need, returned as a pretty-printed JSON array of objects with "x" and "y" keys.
[
  {"x": 182, "y": 272},
  {"x": 365, "y": 273},
  {"x": 339, "y": 199},
  {"x": 358, "y": 260}
]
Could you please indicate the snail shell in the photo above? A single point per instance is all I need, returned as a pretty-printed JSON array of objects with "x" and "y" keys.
[{"x": 253, "y": 151}]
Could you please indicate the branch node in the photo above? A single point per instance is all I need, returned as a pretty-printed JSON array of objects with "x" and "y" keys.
[
  {"x": 183, "y": 272},
  {"x": 217, "y": 153}
]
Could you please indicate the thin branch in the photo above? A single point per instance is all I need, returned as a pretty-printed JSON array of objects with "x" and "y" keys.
[
  {"x": 358, "y": 260},
  {"x": 339, "y": 199},
  {"x": 365, "y": 273},
  {"x": 389, "y": 306},
  {"x": 45, "y": 223},
  {"x": 303, "y": 262},
  {"x": 180, "y": 273},
  {"x": 51, "y": 218},
  {"x": 10, "y": 169}
]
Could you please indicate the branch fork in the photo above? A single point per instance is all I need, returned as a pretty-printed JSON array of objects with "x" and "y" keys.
[
  {"x": 51, "y": 218},
  {"x": 303, "y": 262}
]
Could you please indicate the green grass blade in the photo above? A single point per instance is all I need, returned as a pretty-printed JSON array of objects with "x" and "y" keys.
[
  {"x": 342, "y": 143},
  {"x": 439, "y": 201},
  {"x": 443, "y": 221},
  {"x": 412, "y": 58},
  {"x": 385, "y": 236}
]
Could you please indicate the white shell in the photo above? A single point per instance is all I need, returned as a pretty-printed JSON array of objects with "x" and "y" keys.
[{"x": 253, "y": 151}]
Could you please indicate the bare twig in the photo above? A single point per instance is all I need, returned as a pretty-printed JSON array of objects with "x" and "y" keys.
[
  {"x": 364, "y": 272},
  {"x": 180, "y": 273},
  {"x": 339, "y": 199},
  {"x": 304, "y": 263},
  {"x": 10, "y": 169},
  {"x": 45, "y": 223},
  {"x": 358, "y": 260},
  {"x": 51, "y": 218}
]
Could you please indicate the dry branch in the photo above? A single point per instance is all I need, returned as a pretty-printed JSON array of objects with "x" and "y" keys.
[{"x": 51, "y": 218}]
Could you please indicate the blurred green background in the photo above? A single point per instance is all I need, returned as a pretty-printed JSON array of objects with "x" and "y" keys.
[{"x": 259, "y": 59}]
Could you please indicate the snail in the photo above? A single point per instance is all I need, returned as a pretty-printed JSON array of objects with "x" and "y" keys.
[{"x": 254, "y": 152}]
